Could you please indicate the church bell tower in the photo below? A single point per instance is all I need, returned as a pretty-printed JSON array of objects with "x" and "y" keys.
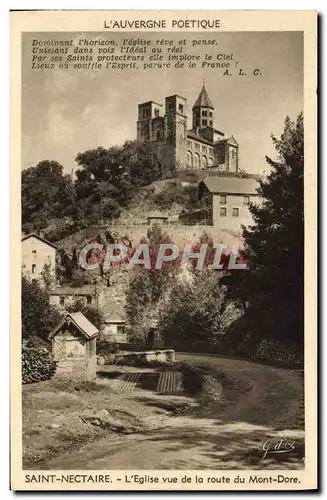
[{"x": 203, "y": 110}]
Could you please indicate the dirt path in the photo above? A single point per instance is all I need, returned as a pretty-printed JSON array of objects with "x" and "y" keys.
[{"x": 258, "y": 403}]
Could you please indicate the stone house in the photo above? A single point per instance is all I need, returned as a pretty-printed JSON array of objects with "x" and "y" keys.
[
  {"x": 74, "y": 347},
  {"x": 227, "y": 200},
  {"x": 113, "y": 325},
  {"x": 62, "y": 296},
  {"x": 36, "y": 252}
]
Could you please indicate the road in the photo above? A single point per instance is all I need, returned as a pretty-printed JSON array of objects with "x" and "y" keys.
[{"x": 258, "y": 404}]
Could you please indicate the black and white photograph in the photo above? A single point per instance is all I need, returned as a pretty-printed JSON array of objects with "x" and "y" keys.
[{"x": 162, "y": 278}]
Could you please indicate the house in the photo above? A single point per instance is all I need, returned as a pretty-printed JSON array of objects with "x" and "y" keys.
[
  {"x": 227, "y": 200},
  {"x": 36, "y": 253},
  {"x": 62, "y": 296},
  {"x": 74, "y": 347},
  {"x": 113, "y": 324},
  {"x": 157, "y": 218}
]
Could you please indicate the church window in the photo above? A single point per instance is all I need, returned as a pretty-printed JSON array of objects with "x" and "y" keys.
[
  {"x": 210, "y": 123},
  {"x": 204, "y": 162},
  {"x": 189, "y": 159},
  {"x": 34, "y": 253},
  {"x": 204, "y": 123},
  {"x": 204, "y": 112},
  {"x": 181, "y": 108},
  {"x": 170, "y": 106},
  {"x": 196, "y": 160},
  {"x": 156, "y": 112},
  {"x": 223, "y": 199},
  {"x": 33, "y": 268},
  {"x": 189, "y": 144},
  {"x": 223, "y": 211},
  {"x": 210, "y": 114},
  {"x": 210, "y": 162},
  {"x": 235, "y": 212},
  {"x": 197, "y": 146},
  {"x": 204, "y": 149}
]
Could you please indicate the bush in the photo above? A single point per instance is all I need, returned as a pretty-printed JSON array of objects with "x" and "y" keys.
[
  {"x": 37, "y": 364},
  {"x": 273, "y": 350}
]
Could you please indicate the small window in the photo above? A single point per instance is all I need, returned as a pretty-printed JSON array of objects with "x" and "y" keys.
[
  {"x": 89, "y": 300},
  {"x": 204, "y": 112},
  {"x": 223, "y": 211},
  {"x": 62, "y": 301},
  {"x": 34, "y": 253},
  {"x": 210, "y": 123},
  {"x": 210, "y": 114},
  {"x": 181, "y": 108},
  {"x": 120, "y": 329},
  {"x": 246, "y": 200},
  {"x": 33, "y": 268},
  {"x": 235, "y": 212},
  {"x": 156, "y": 112},
  {"x": 204, "y": 123},
  {"x": 223, "y": 199}
]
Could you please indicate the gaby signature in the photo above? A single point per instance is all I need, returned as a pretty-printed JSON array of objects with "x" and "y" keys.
[{"x": 277, "y": 445}]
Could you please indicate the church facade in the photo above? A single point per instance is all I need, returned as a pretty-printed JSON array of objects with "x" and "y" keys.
[{"x": 201, "y": 147}]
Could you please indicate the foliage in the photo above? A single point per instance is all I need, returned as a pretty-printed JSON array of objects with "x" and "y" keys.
[
  {"x": 274, "y": 245},
  {"x": 273, "y": 350},
  {"x": 92, "y": 313},
  {"x": 187, "y": 196},
  {"x": 46, "y": 193},
  {"x": 48, "y": 276},
  {"x": 37, "y": 364},
  {"x": 38, "y": 316},
  {"x": 196, "y": 311},
  {"x": 148, "y": 286},
  {"x": 106, "y": 181}
]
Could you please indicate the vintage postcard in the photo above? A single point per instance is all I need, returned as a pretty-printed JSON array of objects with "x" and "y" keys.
[{"x": 163, "y": 250}]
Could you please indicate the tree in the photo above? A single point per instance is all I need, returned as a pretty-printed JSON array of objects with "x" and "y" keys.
[
  {"x": 147, "y": 287},
  {"x": 274, "y": 245},
  {"x": 196, "y": 312},
  {"x": 92, "y": 313},
  {"x": 38, "y": 316},
  {"x": 46, "y": 193}
]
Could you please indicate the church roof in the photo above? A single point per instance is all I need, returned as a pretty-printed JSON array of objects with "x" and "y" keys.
[
  {"x": 203, "y": 100},
  {"x": 231, "y": 185},
  {"x": 230, "y": 140}
]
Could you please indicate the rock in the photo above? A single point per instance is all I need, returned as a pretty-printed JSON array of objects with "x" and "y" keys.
[{"x": 103, "y": 419}]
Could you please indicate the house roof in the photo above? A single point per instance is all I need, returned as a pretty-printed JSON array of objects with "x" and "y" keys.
[
  {"x": 69, "y": 290},
  {"x": 84, "y": 326},
  {"x": 157, "y": 215},
  {"x": 203, "y": 99},
  {"x": 231, "y": 185},
  {"x": 113, "y": 313},
  {"x": 34, "y": 235}
]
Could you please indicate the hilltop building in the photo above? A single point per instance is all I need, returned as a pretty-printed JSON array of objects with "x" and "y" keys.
[{"x": 200, "y": 147}]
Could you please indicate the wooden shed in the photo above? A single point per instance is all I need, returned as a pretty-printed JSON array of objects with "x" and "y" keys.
[{"x": 74, "y": 347}]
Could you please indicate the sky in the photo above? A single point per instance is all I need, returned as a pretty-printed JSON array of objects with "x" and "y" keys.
[{"x": 65, "y": 112}]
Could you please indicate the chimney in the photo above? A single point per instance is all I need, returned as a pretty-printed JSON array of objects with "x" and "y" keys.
[{"x": 41, "y": 234}]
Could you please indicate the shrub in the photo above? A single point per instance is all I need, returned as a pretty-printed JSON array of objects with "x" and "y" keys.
[
  {"x": 37, "y": 364},
  {"x": 273, "y": 350}
]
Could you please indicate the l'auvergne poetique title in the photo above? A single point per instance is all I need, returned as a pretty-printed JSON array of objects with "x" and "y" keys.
[{"x": 162, "y": 24}]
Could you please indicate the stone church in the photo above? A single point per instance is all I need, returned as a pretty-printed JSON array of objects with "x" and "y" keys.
[{"x": 201, "y": 147}]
